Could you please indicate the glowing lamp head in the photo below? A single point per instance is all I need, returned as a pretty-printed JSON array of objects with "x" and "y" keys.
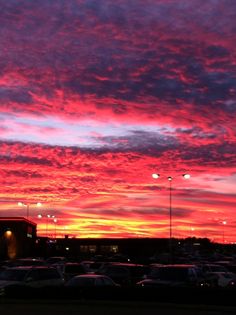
[
  {"x": 38, "y": 204},
  {"x": 155, "y": 176},
  {"x": 169, "y": 178},
  {"x": 186, "y": 176},
  {"x": 20, "y": 204},
  {"x": 8, "y": 233}
]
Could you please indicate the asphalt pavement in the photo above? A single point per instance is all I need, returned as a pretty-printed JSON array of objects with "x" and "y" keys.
[{"x": 42, "y": 307}]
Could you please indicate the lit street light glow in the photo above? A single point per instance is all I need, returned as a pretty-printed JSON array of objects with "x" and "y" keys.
[
  {"x": 48, "y": 217},
  {"x": 27, "y": 205},
  {"x": 224, "y": 223},
  {"x": 170, "y": 178}
]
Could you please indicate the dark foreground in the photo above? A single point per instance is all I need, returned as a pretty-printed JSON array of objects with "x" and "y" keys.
[
  {"x": 164, "y": 301},
  {"x": 39, "y": 307},
  {"x": 168, "y": 295}
]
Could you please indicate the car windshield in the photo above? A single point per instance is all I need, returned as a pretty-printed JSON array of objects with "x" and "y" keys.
[
  {"x": 81, "y": 282},
  {"x": 13, "y": 275},
  {"x": 218, "y": 268},
  {"x": 74, "y": 269},
  {"x": 175, "y": 274},
  {"x": 29, "y": 262}
]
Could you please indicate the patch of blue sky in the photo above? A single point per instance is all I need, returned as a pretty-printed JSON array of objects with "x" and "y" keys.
[
  {"x": 220, "y": 184},
  {"x": 54, "y": 131}
]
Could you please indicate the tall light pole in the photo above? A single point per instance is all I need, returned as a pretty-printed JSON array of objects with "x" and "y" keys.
[
  {"x": 170, "y": 208},
  {"x": 224, "y": 223},
  {"x": 48, "y": 216},
  {"x": 27, "y": 205},
  {"x": 55, "y": 223},
  {"x": 170, "y": 178}
]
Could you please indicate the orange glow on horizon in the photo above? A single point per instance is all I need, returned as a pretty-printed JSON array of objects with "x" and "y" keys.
[{"x": 95, "y": 99}]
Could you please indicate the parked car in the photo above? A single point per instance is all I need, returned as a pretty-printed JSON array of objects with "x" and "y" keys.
[
  {"x": 184, "y": 275},
  {"x": 219, "y": 275},
  {"x": 53, "y": 260},
  {"x": 124, "y": 273},
  {"x": 92, "y": 266},
  {"x": 91, "y": 280},
  {"x": 71, "y": 269},
  {"x": 35, "y": 277},
  {"x": 25, "y": 262}
]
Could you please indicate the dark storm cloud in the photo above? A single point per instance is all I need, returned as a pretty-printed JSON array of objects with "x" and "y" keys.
[
  {"x": 156, "y": 144},
  {"x": 26, "y": 160},
  {"x": 125, "y": 51},
  {"x": 178, "y": 212},
  {"x": 140, "y": 141},
  {"x": 15, "y": 95},
  {"x": 17, "y": 173},
  {"x": 224, "y": 154},
  {"x": 216, "y": 51}
]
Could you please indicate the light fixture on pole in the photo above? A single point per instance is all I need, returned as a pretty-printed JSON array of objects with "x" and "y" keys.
[
  {"x": 47, "y": 216},
  {"x": 55, "y": 225},
  {"x": 27, "y": 205},
  {"x": 170, "y": 178},
  {"x": 224, "y": 223}
]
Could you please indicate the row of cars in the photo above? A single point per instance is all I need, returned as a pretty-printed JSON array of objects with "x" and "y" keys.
[{"x": 37, "y": 273}]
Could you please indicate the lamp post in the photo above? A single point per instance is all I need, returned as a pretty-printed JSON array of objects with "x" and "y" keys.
[
  {"x": 170, "y": 178},
  {"x": 224, "y": 223},
  {"x": 27, "y": 205},
  {"x": 192, "y": 231},
  {"x": 48, "y": 216},
  {"x": 55, "y": 223}
]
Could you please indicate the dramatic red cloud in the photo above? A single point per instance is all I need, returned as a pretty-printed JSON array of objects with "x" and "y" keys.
[{"x": 96, "y": 96}]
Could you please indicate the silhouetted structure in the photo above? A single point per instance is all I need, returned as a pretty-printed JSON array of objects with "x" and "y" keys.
[{"x": 17, "y": 237}]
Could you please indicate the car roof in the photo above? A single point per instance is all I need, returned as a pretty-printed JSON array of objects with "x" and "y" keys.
[
  {"x": 178, "y": 266},
  {"x": 29, "y": 259},
  {"x": 72, "y": 263},
  {"x": 90, "y": 275},
  {"x": 30, "y": 267},
  {"x": 124, "y": 264}
]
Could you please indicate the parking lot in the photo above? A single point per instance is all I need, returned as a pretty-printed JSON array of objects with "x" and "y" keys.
[{"x": 40, "y": 307}]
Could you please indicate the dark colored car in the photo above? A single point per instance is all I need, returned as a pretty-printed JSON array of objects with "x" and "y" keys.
[
  {"x": 30, "y": 276},
  {"x": 124, "y": 273},
  {"x": 174, "y": 276},
  {"x": 25, "y": 262},
  {"x": 91, "y": 280},
  {"x": 71, "y": 269}
]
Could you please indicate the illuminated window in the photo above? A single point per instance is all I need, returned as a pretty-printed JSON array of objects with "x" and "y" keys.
[
  {"x": 88, "y": 248},
  {"x": 109, "y": 249}
]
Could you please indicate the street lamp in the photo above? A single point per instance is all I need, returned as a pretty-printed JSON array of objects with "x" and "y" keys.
[
  {"x": 192, "y": 231},
  {"x": 48, "y": 216},
  {"x": 170, "y": 178},
  {"x": 55, "y": 223},
  {"x": 224, "y": 223},
  {"x": 27, "y": 205}
]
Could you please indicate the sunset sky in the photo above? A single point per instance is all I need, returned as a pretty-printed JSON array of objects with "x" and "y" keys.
[{"x": 96, "y": 95}]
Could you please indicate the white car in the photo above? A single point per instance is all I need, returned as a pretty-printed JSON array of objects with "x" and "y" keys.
[
  {"x": 91, "y": 280},
  {"x": 224, "y": 279},
  {"x": 35, "y": 277},
  {"x": 221, "y": 276}
]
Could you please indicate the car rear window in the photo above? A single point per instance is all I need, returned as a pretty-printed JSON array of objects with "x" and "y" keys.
[
  {"x": 44, "y": 274},
  {"x": 81, "y": 282},
  {"x": 13, "y": 275},
  {"x": 173, "y": 274}
]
